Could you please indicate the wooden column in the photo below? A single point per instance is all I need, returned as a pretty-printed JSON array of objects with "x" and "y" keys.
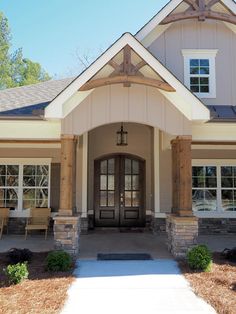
[
  {"x": 67, "y": 173},
  {"x": 182, "y": 176}
]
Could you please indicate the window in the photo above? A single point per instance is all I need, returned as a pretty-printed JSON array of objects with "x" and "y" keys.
[
  {"x": 199, "y": 72},
  {"x": 24, "y": 183},
  {"x": 214, "y": 186},
  {"x": 9, "y": 185},
  {"x": 204, "y": 188},
  {"x": 35, "y": 186}
]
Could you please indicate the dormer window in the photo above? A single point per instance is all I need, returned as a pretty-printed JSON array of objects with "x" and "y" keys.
[{"x": 199, "y": 72}]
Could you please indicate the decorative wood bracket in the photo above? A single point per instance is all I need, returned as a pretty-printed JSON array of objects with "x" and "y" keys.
[
  {"x": 127, "y": 73},
  {"x": 201, "y": 10},
  {"x": 127, "y": 81}
]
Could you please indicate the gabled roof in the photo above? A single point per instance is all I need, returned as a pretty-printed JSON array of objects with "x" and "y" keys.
[
  {"x": 153, "y": 28},
  {"x": 30, "y": 100},
  {"x": 72, "y": 96}
]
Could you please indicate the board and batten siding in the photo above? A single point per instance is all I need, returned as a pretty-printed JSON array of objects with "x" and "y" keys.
[
  {"x": 115, "y": 103},
  {"x": 193, "y": 34}
]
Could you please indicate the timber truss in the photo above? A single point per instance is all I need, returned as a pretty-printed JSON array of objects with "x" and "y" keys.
[
  {"x": 201, "y": 10},
  {"x": 127, "y": 73}
]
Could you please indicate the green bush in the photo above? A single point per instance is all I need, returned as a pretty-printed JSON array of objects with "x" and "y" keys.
[
  {"x": 17, "y": 273},
  {"x": 200, "y": 258},
  {"x": 58, "y": 261}
]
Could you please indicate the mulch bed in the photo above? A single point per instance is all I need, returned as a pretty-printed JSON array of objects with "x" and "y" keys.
[
  {"x": 218, "y": 287},
  {"x": 43, "y": 292}
]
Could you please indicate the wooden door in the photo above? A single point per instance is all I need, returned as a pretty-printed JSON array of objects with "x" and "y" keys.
[{"x": 119, "y": 192}]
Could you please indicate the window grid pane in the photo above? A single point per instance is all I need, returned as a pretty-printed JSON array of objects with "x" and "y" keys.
[
  {"x": 204, "y": 188},
  {"x": 199, "y": 70},
  {"x": 228, "y": 188}
]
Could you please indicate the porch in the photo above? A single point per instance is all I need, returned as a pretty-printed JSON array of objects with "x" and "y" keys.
[{"x": 114, "y": 242}]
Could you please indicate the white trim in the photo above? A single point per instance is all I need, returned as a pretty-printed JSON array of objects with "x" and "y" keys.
[
  {"x": 31, "y": 130},
  {"x": 219, "y": 212},
  {"x": 209, "y": 54},
  {"x": 165, "y": 11},
  {"x": 85, "y": 176},
  {"x": 182, "y": 99},
  {"x": 156, "y": 155}
]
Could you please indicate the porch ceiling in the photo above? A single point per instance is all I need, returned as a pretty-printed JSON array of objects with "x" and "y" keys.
[{"x": 127, "y": 62}]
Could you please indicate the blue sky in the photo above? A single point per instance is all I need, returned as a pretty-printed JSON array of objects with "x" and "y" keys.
[{"x": 52, "y": 32}]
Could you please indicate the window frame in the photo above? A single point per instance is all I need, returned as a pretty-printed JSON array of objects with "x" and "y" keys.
[
  {"x": 209, "y": 54},
  {"x": 21, "y": 162},
  {"x": 218, "y": 163}
]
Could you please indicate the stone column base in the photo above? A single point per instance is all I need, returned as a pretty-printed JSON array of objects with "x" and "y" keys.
[
  {"x": 66, "y": 234},
  {"x": 84, "y": 225},
  {"x": 182, "y": 234}
]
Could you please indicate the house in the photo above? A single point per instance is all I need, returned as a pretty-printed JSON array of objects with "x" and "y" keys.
[{"x": 145, "y": 136}]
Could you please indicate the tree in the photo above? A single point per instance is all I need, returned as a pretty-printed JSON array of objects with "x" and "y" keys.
[{"x": 15, "y": 70}]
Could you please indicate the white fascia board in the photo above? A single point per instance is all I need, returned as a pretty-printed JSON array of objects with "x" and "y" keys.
[
  {"x": 230, "y": 4},
  {"x": 202, "y": 113},
  {"x": 57, "y": 110},
  {"x": 146, "y": 34},
  {"x": 232, "y": 27},
  {"x": 154, "y": 34},
  {"x": 74, "y": 100},
  {"x": 214, "y": 131},
  {"x": 11, "y": 129},
  {"x": 143, "y": 32}
]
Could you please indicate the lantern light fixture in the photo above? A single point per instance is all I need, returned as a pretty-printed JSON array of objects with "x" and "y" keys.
[{"x": 121, "y": 136}]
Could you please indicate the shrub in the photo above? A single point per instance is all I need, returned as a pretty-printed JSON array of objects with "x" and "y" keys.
[
  {"x": 200, "y": 258},
  {"x": 16, "y": 256},
  {"x": 17, "y": 273},
  {"x": 58, "y": 261}
]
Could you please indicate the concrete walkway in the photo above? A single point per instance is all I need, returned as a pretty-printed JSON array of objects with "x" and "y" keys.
[{"x": 153, "y": 287}]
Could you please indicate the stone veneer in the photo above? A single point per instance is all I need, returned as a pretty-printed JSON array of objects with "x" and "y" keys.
[
  {"x": 66, "y": 234},
  {"x": 182, "y": 234}
]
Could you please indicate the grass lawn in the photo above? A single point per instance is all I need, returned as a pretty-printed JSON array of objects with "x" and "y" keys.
[
  {"x": 42, "y": 293},
  {"x": 218, "y": 287}
]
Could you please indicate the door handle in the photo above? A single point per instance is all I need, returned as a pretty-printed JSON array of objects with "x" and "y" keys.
[{"x": 121, "y": 199}]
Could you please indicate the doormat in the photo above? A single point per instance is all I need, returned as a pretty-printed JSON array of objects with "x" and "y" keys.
[{"x": 124, "y": 257}]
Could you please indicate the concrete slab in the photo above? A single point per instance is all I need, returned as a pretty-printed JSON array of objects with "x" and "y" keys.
[
  {"x": 116, "y": 242},
  {"x": 157, "y": 286},
  {"x": 35, "y": 243}
]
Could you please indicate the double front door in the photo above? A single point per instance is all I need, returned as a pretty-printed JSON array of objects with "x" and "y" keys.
[{"x": 119, "y": 192}]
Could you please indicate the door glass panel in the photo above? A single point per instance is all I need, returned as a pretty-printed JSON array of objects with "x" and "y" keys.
[
  {"x": 111, "y": 182},
  {"x": 103, "y": 182},
  {"x": 135, "y": 167},
  {"x": 103, "y": 167},
  {"x": 136, "y": 199},
  {"x": 111, "y": 166},
  {"x": 103, "y": 198},
  {"x": 135, "y": 183},
  {"x": 128, "y": 182},
  {"x": 128, "y": 201},
  {"x": 111, "y": 198},
  {"x": 127, "y": 166}
]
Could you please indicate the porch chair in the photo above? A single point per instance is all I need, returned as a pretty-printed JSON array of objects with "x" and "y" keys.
[
  {"x": 4, "y": 215},
  {"x": 38, "y": 220}
]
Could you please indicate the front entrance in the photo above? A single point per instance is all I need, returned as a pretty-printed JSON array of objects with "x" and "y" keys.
[{"x": 119, "y": 191}]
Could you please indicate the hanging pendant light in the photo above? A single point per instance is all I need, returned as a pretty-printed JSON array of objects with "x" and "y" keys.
[{"x": 121, "y": 136}]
